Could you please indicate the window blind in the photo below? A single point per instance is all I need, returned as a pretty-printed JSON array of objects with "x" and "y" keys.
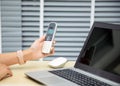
[
  {"x": 11, "y": 25},
  {"x": 0, "y": 30},
  {"x": 73, "y": 19},
  {"x": 107, "y": 11},
  {"x": 20, "y": 23},
  {"x": 30, "y": 22}
]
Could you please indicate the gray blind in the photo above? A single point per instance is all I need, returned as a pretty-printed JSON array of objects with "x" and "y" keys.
[
  {"x": 107, "y": 11},
  {"x": 30, "y": 22},
  {"x": 11, "y": 25},
  {"x": 73, "y": 19}
]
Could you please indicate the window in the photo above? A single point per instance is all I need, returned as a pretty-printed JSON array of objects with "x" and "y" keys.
[
  {"x": 107, "y": 11},
  {"x": 11, "y": 25},
  {"x": 20, "y": 22},
  {"x": 0, "y": 34},
  {"x": 73, "y": 19},
  {"x": 30, "y": 22}
]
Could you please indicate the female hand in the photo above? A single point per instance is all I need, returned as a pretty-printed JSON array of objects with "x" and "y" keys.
[
  {"x": 36, "y": 48},
  {"x": 4, "y": 71}
]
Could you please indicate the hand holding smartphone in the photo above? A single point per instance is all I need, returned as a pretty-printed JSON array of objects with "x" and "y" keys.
[{"x": 49, "y": 37}]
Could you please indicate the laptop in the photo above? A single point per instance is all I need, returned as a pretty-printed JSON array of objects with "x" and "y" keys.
[{"x": 98, "y": 63}]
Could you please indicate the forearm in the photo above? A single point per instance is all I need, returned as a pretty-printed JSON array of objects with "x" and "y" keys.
[
  {"x": 11, "y": 58},
  {"x": 33, "y": 53}
]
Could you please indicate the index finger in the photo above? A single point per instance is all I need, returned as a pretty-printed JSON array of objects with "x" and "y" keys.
[{"x": 42, "y": 38}]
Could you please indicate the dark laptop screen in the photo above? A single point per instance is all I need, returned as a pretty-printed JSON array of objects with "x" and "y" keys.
[{"x": 102, "y": 50}]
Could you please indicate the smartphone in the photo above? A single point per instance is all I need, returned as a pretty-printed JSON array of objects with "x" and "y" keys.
[{"x": 50, "y": 35}]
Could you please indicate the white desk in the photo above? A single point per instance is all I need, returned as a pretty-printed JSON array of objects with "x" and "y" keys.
[{"x": 20, "y": 79}]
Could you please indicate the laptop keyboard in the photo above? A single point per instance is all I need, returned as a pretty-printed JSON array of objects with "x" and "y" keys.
[{"x": 78, "y": 78}]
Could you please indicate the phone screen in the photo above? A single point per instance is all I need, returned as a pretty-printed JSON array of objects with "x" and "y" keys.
[{"x": 50, "y": 33}]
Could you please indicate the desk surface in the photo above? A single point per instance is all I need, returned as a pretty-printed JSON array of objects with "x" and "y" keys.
[{"x": 20, "y": 79}]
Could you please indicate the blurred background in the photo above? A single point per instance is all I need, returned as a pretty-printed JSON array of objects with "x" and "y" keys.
[{"x": 23, "y": 21}]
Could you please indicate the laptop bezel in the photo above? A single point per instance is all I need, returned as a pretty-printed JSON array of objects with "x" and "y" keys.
[{"x": 92, "y": 70}]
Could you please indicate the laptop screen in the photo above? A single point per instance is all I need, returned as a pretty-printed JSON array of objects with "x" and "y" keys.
[{"x": 101, "y": 51}]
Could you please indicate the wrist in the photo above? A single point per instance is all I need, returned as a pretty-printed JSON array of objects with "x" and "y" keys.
[{"x": 20, "y": 57}]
